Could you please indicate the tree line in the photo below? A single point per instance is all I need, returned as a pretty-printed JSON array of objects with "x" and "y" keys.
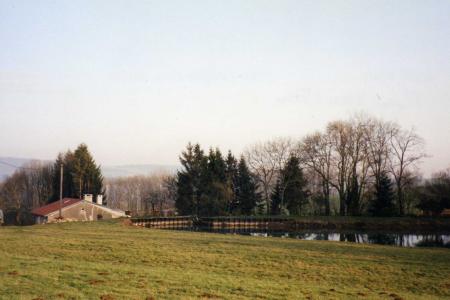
[
  {"x": 142, "y": 195},
  {"x": 359, "y": 166}
]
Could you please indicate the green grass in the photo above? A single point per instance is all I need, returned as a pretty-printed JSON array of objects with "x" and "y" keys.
[{"x": 109, "y": 260}]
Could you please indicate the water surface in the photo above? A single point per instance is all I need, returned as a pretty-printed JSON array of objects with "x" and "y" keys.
[{"x": 399, "y": 239}]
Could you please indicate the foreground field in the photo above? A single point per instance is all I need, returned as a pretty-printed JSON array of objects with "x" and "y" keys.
[{"x": 109, "y": 260}]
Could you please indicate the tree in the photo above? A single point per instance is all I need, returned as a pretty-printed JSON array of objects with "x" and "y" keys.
[
  {"x": 87, "y": 177},
  {"x": 293, "y": 194},
  {"x": 383, "y": 202},
  {"x": 435, "y": 194},
  {"x": 246, "y": 189},
  {"x": 406, "y": 151},
  {"x": 203, "y": 188},
  {"x": 348, "y": 163},
  {"x": 188, "y": 180},
  {"x": 315, "y": 153},
  {"x": 265, "y": 160},
  {"x": 378, "y": 135},
  {"x": 142, "y": 195},
  {"x": 216, "y": 194},
  {"x": 231, "y": 173},
  {"x": 276, "y": 207},
  {"x": 81, "y": 175},
  {"x": 27, "y": 188}
]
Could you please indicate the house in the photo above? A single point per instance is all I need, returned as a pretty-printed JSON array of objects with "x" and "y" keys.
[{"x": 75, "y": 210}]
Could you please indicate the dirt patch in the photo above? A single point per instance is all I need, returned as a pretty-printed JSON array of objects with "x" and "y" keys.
[
  {"x": 395, "y": 296},
  {"x": 39, "y": 298},
  {"x": 103, "y": 273},
  {"x": 209, "y": 296},
  {"x": 362, "y": 294},
  {"x": 106, "y": 297},
  {"x": 60, "y": 295},
  {"x": 13, "y": 273},
  {"x": 95, "y": 282},
  {"x": 150, "y": 298}
]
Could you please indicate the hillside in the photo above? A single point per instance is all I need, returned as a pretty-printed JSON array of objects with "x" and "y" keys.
[
  {"x": 109, "y": 171},
  {"x": 132, "y": 170},
  {"x": 111, "y": 260}
]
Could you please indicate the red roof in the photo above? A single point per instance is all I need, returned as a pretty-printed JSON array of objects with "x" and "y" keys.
[{"x": 54, "y": 206}]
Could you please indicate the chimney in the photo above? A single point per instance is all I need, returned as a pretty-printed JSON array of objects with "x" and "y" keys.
[
  {"x": 88, "y": 197},
  {"x": 100, "y": 199}
]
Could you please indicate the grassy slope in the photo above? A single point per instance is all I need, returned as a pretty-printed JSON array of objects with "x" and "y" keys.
[{"x": 91, "y": 260}]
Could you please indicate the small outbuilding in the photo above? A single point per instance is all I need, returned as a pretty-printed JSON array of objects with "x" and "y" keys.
[{"x": 74, "y": 210}]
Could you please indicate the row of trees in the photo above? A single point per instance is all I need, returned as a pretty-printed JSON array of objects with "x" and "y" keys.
[
  {"x": 142, "y": 195},
  {"x": 351, "y": 157},
  {"x": 358, "y": 166},
  {"x": 214, "y": 185},
  {"x": 38, "y": 183}
]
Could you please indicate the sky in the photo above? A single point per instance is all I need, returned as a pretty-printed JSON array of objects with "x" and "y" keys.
[{"x": 137, "y": 80}]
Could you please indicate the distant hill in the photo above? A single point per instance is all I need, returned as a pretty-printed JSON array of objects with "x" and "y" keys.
[
  {"x": 133, "y": 170},
  {"x": 7, "y": 169}
]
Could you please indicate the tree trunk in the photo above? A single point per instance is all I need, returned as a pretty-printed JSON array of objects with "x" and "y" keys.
[
  {"x": 326, "y": 196},
  {"x": 342, "y": 210},
  {"x": 400, "y": 199}
]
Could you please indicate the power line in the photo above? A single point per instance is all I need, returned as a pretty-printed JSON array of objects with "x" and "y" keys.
[{"x": 17, "y": 167}]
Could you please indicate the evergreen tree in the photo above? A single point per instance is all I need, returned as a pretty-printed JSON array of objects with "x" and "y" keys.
[
  {"x": 87, "y": 177},
  {"x": 232, "y": 177},
  {"x": 188, "y": 180},
  {"x": 216, "y": 196},
  {"x": 292, "y": 185},
  {"x": 213, "y": 186},
  {"x": 246, "y": 189},
  {"x": 434, "y": 195},
  {"x": 383, "y": 202},
  {"x": 81, "y": 174},
  {"x": 275, "y": 208}
]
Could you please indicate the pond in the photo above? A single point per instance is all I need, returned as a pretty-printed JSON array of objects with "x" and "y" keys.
[{"x": 399, "y": 239}]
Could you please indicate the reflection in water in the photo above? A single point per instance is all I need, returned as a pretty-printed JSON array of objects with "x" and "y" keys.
[{"x": 381, "y": 238}]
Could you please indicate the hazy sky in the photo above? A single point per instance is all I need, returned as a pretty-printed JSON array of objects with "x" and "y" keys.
[{"x": 137, "y": 80}]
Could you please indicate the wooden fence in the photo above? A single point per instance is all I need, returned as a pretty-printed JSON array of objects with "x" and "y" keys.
[{"x": 184, "y": 222}]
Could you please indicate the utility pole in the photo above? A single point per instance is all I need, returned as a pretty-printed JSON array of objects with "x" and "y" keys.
[{"x": 61, "y": 192}]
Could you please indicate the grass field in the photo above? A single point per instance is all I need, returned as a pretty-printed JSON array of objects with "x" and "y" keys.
[{"x": 110, "y": 260}]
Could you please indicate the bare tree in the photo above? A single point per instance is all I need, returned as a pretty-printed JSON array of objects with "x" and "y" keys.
[
  {"x": 315, "y": 153},
  {"x": 266, "y": 160},
  {"x": 29, "y": 187},
  {"x": 348, "y": 163},
  {"x": 378, "y": 136},
  {"x": 142, "y": 195},
  {"x": 407, "y": 149}
]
